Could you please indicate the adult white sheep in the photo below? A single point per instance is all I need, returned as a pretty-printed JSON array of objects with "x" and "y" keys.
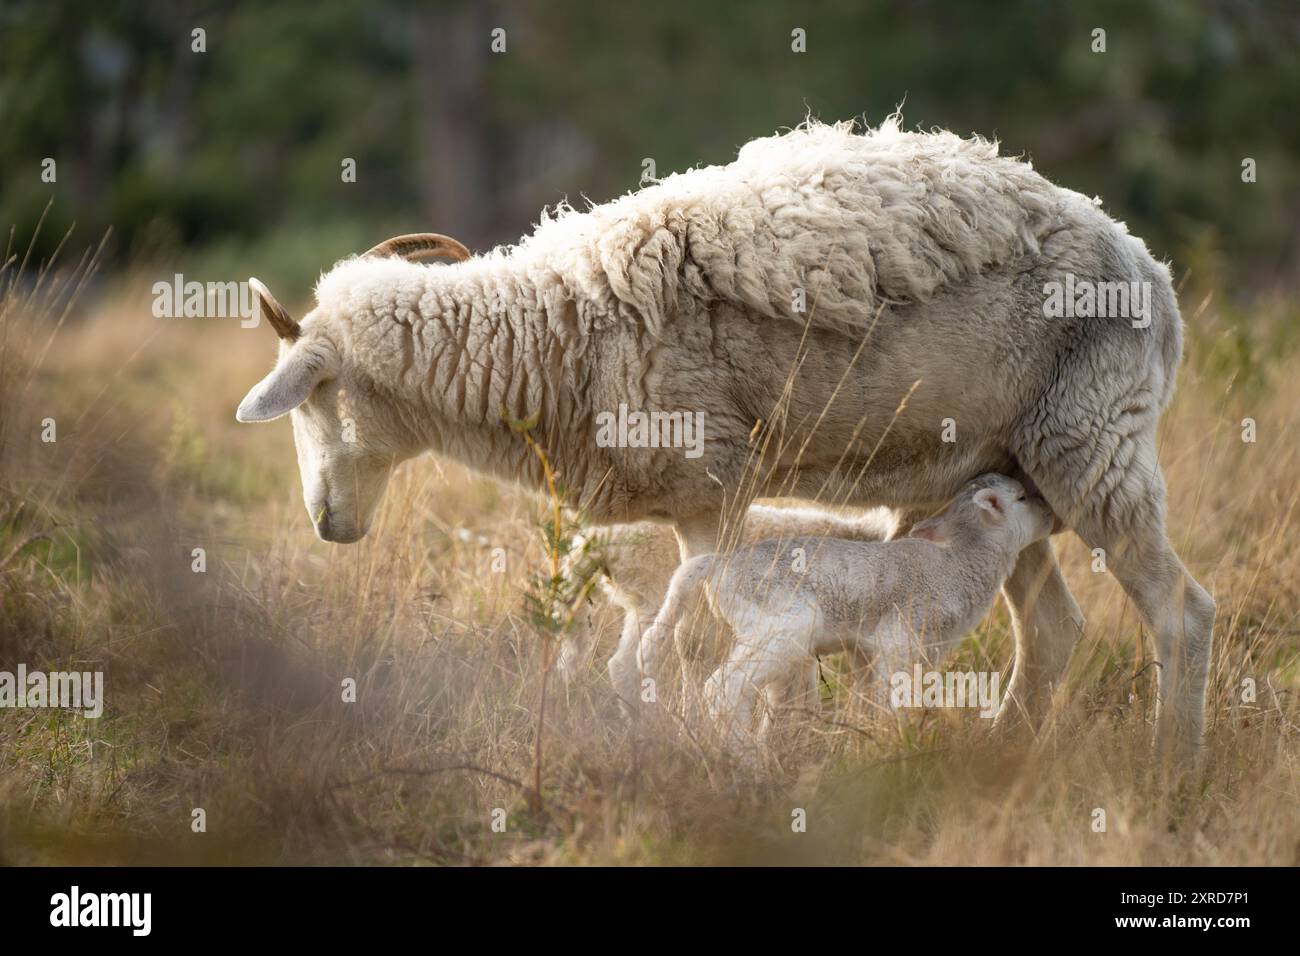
[{"x": 922, "y": 258}]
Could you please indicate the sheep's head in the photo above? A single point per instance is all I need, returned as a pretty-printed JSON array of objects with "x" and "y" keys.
[{"x": 346, "y": 430}]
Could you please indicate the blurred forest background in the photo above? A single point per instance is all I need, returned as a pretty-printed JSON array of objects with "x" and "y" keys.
[
  {"x": 234, "y": 154},
  {"x": 155, "y": 539}
]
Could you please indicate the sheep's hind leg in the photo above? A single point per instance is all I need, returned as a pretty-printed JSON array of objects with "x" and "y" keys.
[
  {"x": 1112, "y": 492},
  {"x": 1175, "y": 608}
]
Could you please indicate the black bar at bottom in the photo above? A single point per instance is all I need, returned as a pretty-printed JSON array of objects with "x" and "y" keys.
[{"x": 332, "y": 905}]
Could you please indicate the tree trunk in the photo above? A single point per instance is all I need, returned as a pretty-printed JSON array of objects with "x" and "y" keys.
[{"x": 451, "y": 47}]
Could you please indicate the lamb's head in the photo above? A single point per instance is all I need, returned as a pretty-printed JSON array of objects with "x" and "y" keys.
[
  {"x": 991, "y": 506},
  {"x": 347, "y": 428}
]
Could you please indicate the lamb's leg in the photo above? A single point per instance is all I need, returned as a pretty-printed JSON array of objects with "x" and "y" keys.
[
  {"x": 754, "y": 666},
  {"x": 798, "y": 691},
  {"x": 895, "y": 650},
  {"x": 730, "y": 695},
  {"x": 1047, "y": 624},
  {"x": 728, "y": 699}
]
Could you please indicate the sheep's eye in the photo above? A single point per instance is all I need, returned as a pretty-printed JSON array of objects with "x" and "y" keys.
[{"x": 1022, "y": 498}]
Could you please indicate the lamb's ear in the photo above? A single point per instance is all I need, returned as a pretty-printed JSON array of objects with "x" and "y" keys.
[
  {"x": 931, "y": 529},
  {"x": 298, "y": 372},
  {"x": 990, "y": 504}
]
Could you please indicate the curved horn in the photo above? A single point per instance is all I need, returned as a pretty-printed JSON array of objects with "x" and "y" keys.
[
  {"x": 421, "y": 245},
  {"x": 275, "y": 313}
]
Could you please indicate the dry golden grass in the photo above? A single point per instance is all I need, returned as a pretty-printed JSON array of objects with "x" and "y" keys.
[{"x": 223, "y": 688}]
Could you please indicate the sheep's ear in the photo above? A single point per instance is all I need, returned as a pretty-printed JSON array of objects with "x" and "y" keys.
[
  {"x": 931, "y": 529},
  {"x": 990, "y": 504},
  {"x": 287, "y": 387}
]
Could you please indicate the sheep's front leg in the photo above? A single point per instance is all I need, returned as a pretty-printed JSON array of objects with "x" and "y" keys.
[
  {"x": 698, "y": 534},
  {"x": 695, "y": 536},
  {"x": 1047, "y": 624},
  {"x": 624, "y": 667}
]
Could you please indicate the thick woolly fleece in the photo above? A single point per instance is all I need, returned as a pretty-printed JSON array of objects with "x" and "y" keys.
[
  {"x": 682, "y": 297},
  {"x": 851, "y": 220}
]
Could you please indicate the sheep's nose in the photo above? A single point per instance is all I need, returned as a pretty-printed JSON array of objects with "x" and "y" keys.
[{"x": 323, "y": 522}]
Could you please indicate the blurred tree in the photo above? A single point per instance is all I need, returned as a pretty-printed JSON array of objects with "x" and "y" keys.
[
  {"x": 245, "y": 141},
  {"x": 449, "y": 49}
]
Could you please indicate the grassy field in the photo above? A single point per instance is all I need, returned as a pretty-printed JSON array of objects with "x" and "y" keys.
[{"x": 223, "y": 687}]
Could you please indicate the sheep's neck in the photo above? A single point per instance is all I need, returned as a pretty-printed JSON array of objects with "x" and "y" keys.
[{"x": 492, "y": 370}]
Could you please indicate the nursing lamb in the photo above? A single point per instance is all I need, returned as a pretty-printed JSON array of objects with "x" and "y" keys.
[
  {"x": 902, "y": 601},
  {"x": 638, "y": 561}
]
